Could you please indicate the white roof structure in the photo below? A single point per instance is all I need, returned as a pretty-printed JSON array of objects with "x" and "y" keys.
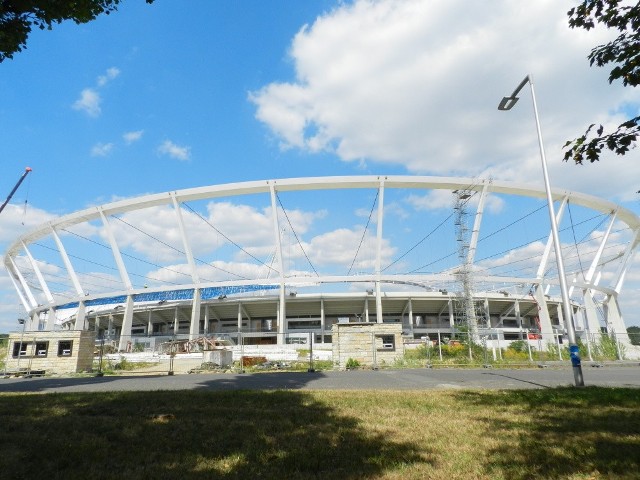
[{"x": 143, "y": 254}]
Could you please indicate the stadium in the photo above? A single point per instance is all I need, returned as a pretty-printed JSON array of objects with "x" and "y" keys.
[{"x": 439, "y": 256}]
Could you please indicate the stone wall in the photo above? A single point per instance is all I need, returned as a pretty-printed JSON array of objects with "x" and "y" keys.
[
  {"x": 68, "y": 351},
  {"x": 371, "y": 344}
]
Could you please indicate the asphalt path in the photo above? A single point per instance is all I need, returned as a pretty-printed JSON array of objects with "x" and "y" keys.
[{"x": 406, "y": 379}]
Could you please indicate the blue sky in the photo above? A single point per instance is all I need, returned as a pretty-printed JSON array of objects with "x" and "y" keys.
[{"x": 162, "y": 97}]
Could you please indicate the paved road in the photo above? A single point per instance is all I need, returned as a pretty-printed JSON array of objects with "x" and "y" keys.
[{"x": 413, "y": 379}]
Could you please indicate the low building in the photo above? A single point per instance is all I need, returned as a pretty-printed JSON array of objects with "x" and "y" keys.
[
  {"x": 59, "y": 352},
  {"x": 369, "y": 344}
]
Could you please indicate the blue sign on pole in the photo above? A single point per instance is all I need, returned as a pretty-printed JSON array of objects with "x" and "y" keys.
[{"x": 575, "y": 355}]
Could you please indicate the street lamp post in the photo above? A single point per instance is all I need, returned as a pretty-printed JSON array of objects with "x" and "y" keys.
[
  {"x": 22, "y": 322},
  {"x": 507, "y": 103}
]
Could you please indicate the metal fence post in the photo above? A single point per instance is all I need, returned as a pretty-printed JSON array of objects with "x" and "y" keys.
[
  {"x": 23, "y": 322},
  {"x": 542, "y": 353},
  {"x": 100, "y": 372},
  {"x": 241, "y": 342},
  {"x": 618, "y": 349},
  {"x": 33, "y": 346},
  {"x": 310, "y": 369},
  {"x": 171, "y": 354},
  {"x": 486, "y": 352},
  {"x": 373, "y": 351},
  {"x": 589, "y": 346}
]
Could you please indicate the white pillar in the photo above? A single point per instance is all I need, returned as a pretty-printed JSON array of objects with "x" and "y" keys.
[
  {"x": 51, "y": 320},
  {"x": 80, "y": 317},
  {"x": 40, "y": 277},
  {"x": 115, "y": 251},
  {"x": 613, "y": 317},
  {"x": 176, "y": 323},
  {"x": 149, "y": 325},
  {"x": 322, "y": 320},
  {"x": 127, "y": 322},
  {"x": 366, "y": 309},
  {"x": 67, "y": 263},
  {"x": 411, "y": 317},
  {"x": 185, "y": 241},
  {"x": 379, "y": 317},
  {"x": 543, "y": 316},
  {"x": 282, "y": 314},
  {"x": 110, "y": 326},
  {"x": 591, "y": 314},
  {"x": 23, "y": 299},
  {"x": 194, "y": 327}
]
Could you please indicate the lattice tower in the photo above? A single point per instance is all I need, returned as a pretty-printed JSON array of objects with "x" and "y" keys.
[{"x": 464, "y": 306}]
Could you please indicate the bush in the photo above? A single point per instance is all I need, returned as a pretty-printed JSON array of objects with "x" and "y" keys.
[
  {"x": 606, "y": 349},
  {"x": 519, "y": 346},
  {"x": 352, "y": 364},
  {"x": 419, "y": 353},
  {"x": 125, "y": 365},
  {"x": 513, "y": 354},
  {"x": 253, "y": 361},
  {"x": 456, "y": 350}
]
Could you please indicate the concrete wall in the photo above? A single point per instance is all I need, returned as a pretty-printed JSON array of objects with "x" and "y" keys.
[
  {"x": 51, "y": 352},
  {"x": 221, "y": 357},
  {"x": 371, "y": 344}
]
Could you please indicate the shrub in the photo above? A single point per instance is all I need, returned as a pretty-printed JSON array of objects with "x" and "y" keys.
[
  {"x": 125, "y": 365},
  {"x": 455, "y": 351},
  {"x": 519, "y": 346},
  {"x": 634, "y": 335},
  {"x": 512, "y": 354},
  {"x": 419, "y": 353},
  {"x": 253, "y": 361},
  {"x": 606, "y": 348},
  {"x": 352, "y": 364}
]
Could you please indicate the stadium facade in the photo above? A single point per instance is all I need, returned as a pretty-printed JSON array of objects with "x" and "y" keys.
[{"x": 62, "y": 284}]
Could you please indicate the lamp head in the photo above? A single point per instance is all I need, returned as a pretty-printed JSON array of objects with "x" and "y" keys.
[{"x": 507, "y": 103}]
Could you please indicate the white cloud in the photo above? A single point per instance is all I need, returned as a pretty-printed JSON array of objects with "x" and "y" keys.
[
  {"x": 339, "y": 248},
  {"x": 101, "y": 149},
  {"x": 131, "y": 137},
  {"x": 90, "y": 99},
  {"x": 89, "y": 102},
  {"x": 17, "y": 220},
  {"x": 444, "y": 200},
  {"x": 110, "y": 74},
  {"x": 174, "y": 151},
  {"x": 415, "y": 83}
]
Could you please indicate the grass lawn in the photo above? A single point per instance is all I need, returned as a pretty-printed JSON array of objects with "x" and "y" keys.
[{"x": 588, "y": 433}]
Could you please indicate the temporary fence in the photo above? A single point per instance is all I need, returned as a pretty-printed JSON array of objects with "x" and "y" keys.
[
  {"x": 240, "y": 351},
  {"x": 490, "y": 348},
  {"x": 233, "y": 351}
]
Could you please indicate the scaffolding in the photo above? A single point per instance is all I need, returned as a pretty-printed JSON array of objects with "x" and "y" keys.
[{"x": 468, "y": 313}]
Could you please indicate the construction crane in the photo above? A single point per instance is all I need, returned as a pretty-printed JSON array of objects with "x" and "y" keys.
[{"x": 24, "y": 175}]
